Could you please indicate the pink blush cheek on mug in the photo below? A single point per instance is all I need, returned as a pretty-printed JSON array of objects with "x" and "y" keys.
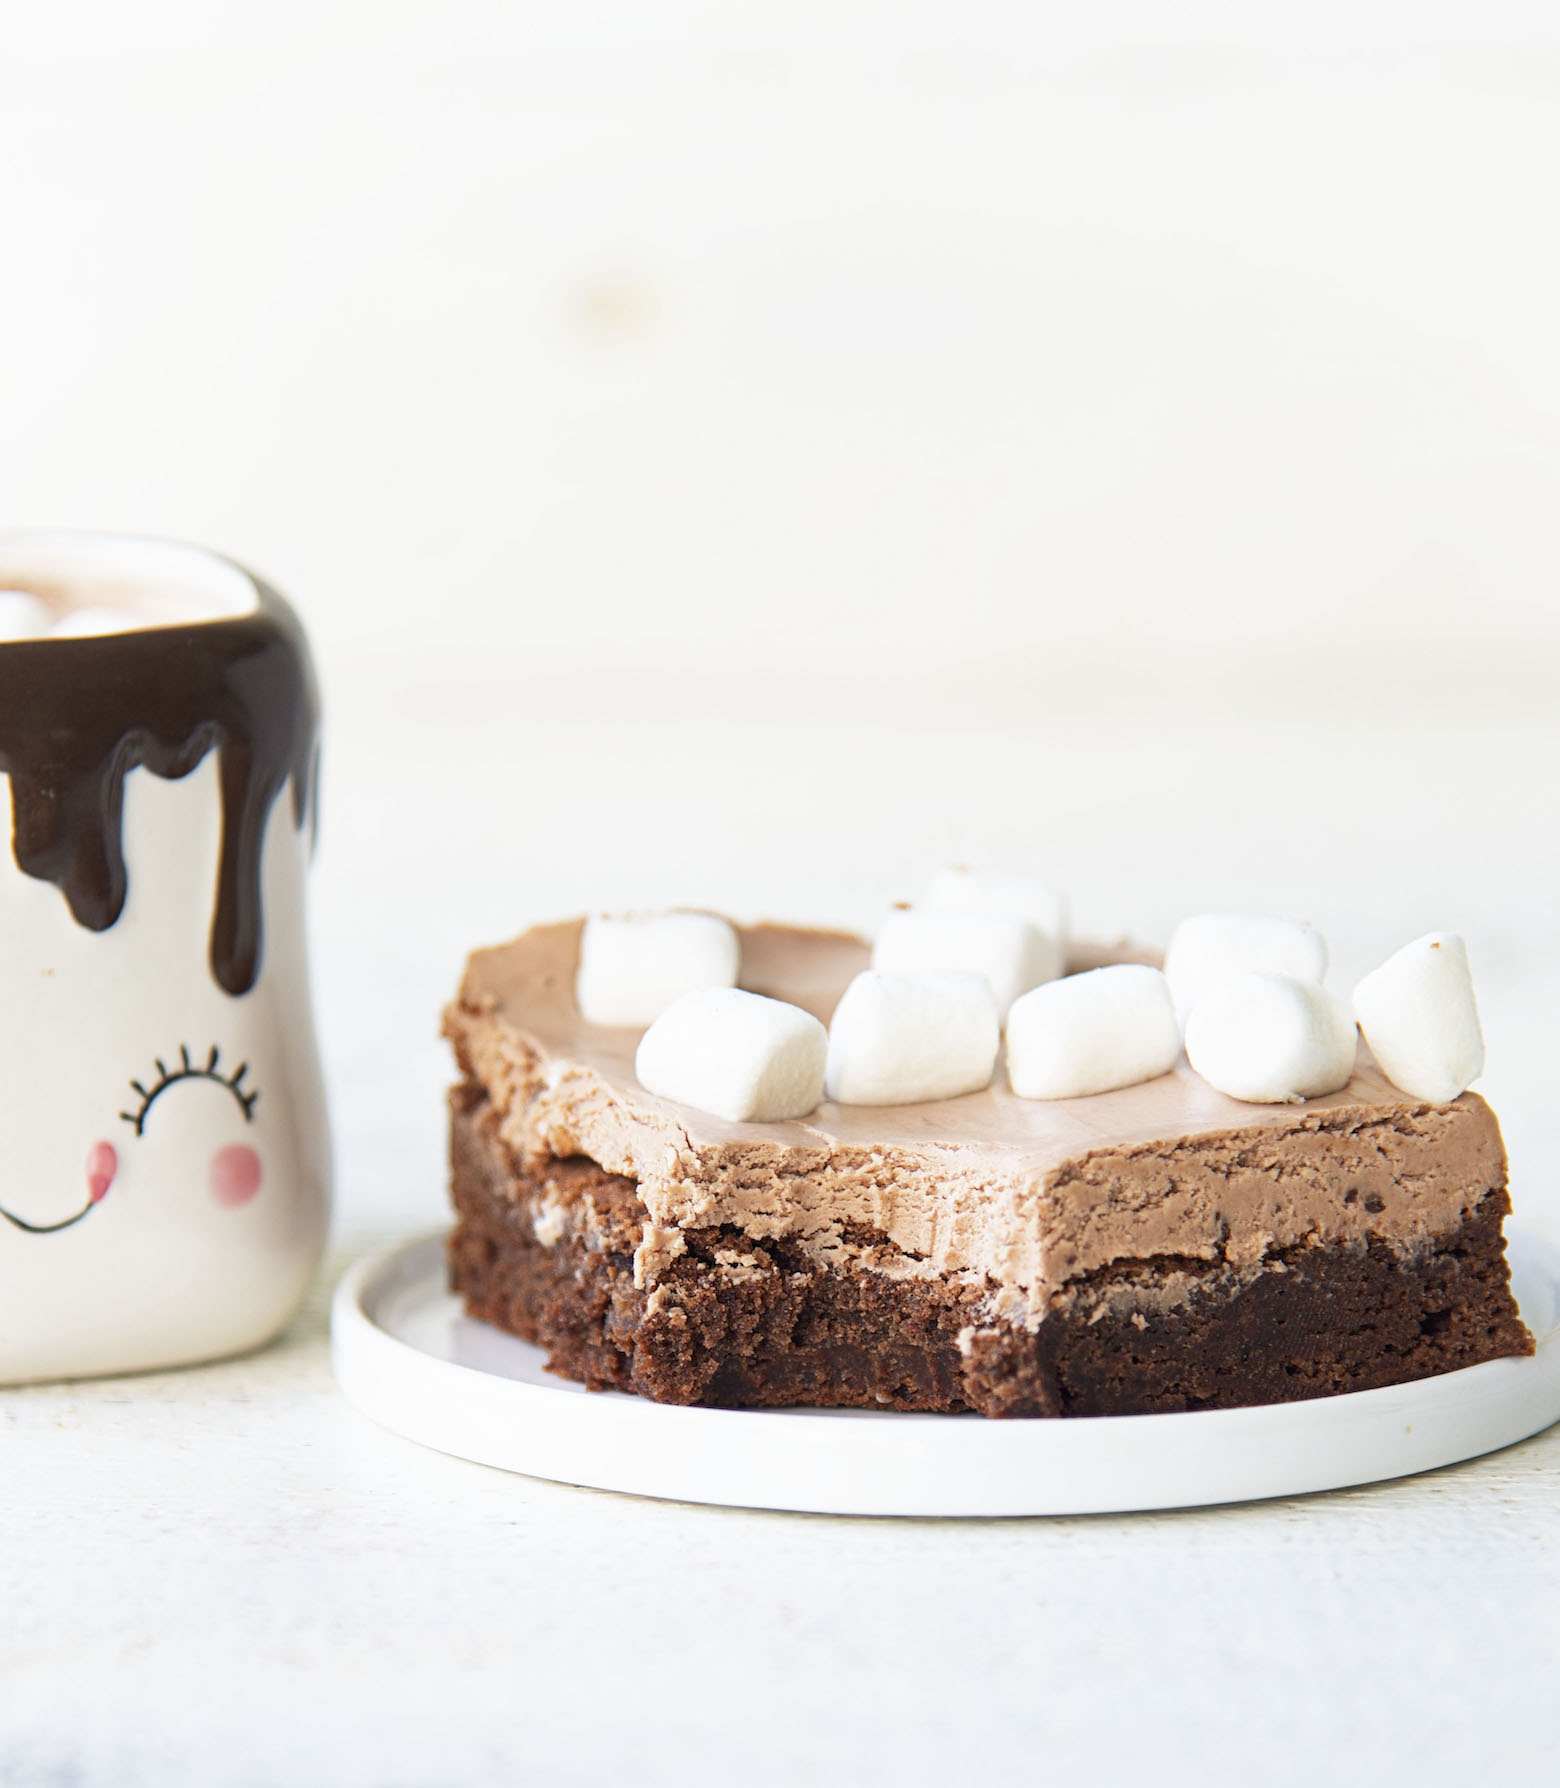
[{"x": 235, "y": 1175}]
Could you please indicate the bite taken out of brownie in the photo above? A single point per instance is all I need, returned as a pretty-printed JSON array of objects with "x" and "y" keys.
[{"x": 1159, "y": 1247}]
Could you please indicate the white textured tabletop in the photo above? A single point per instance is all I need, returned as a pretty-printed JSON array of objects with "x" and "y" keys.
[
  {"x": 229, "y": 1577},
  {"x": 755, "y": 457}
]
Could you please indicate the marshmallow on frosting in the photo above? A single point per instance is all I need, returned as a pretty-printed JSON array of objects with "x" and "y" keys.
[
  {"x": 1003, "y": 947},
  {"x": 1213, "y": 947},
  {"x": 1271, "y": 1039},
  {"x": 898, "y": 1039},
  {"x": 983, "y": 891},
  {"x": 739, "y": 1055},
  {"x": 1420, "y": 1019},
  {"x": 1091, "y": 1033},
  {"x": 632, "y": 966}
]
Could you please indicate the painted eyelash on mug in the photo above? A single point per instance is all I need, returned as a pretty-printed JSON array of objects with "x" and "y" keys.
[{"x": 189, "y": 1069}]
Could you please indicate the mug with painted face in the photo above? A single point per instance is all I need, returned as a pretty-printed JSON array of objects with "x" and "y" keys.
[{"x": 165, "y": 1176}]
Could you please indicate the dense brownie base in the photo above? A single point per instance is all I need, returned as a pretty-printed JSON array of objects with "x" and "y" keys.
[{"x": 735, "y": 1323}]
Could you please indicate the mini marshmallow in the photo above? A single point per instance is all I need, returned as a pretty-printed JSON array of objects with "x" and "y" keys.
[
  {"x": 633, "y": 965},
  {"x": 1003, "y": 947},
  {"x": 1091, "y": 1033},
  {"x": 1271, "y": 1039},
  {"x": 983, "y": 891},
  {"x": 92, "y": 623},
  {"x": 23, "y": 616},
  {"x": 739, "y": 1055},
  {"x": 1420, "y": 1019},
  {"x": 897, "y": 1039},
  {"x": 1212, "y": 947}
]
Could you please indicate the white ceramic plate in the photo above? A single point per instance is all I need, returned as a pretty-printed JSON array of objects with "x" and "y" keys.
[{"x": 406, "y": 1355}]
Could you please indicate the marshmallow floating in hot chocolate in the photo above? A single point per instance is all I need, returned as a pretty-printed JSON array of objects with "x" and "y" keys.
[
  {"x": 739, "y": 1056},
  {"x": 899, "y": 1039},
  {"x": 94, "y": 623},
  {"x": 77, "y": 586},
  {"x": 633, "y": 965},
  {"x": 1420, "y": 1018},
  {"x": 1107, "y": 1028},
  {"x": 23, "y": 616},
  {"x": 983, "y": 891},
  {"x": 1271, "y": 1039},
  {"x": 1003, "y": 947},
  {"x": 1212, "y": 947}
]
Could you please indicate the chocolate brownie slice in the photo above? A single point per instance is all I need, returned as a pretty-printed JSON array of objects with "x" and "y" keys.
[{"x": 1158, "y": 1248}]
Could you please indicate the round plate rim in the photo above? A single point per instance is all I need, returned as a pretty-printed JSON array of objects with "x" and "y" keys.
[{"x": 867, "y": 1462}]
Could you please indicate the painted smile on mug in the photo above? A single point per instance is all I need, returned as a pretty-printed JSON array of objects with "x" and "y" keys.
[{"x": 234, "y": 1172}]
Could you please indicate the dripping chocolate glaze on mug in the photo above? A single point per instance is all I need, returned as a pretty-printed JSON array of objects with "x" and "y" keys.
[
  {"x": 78, "y": 713},
  {"x": 165, "y": 1169}
]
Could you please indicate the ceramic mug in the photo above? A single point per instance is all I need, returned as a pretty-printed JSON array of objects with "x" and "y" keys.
[{"x": 165, "y": 1176}]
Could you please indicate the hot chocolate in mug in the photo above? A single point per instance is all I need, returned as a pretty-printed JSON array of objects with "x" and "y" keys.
[{"x": 165, "y": 1170}]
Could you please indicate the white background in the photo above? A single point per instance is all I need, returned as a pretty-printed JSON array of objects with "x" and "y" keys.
[{"x": 753, "y": 456}]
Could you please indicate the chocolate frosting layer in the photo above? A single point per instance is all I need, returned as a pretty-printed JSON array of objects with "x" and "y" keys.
[
  {"x": 1021, "y": 1195},
  {"x": 77, "y": 714}
]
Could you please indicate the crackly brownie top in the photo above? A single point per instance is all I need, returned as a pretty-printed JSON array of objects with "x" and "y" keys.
[{"x": 1023, "y": 1194}]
